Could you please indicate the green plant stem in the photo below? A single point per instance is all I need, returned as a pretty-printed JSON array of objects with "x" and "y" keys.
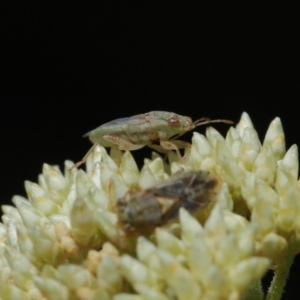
[
  {"x": 278, "y": 283},
  {"x": 255, "y": 292}
]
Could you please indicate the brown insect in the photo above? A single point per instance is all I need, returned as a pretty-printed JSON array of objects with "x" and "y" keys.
[{"x": 193, "y": 190}]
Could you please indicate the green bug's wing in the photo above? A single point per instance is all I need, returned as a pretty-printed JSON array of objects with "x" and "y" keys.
[{"x": 134, "y": 120}]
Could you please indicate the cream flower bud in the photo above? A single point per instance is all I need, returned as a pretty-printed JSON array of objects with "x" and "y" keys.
[
  {"x": 289, "y": 206},
  {"x": 45, "y": 244},
  {"x": 12, "y": 211},
  {"x": 66, "y": 240},
  {"x": 275, "y": 138},
  {"x": 233, "y": 142},
  {"x": 86, "y": 293},
  {"x": 26, "y": 246},
  {"x": 106, "y": 160},
  {"x": 179, "y": 278},
  {"x": 22, "y": 269},
  {"x": 136, "y": 272},
  {"x": 83, "y": 184},
  {"x": 39, "y": 199},
  {"x": 201, "y": 146},
  {"x": 273, "y": 246},
  {"x": 245, "y": 122},
  {"x": 12, "y": 238},
  {"x": 54, "y": 179},
  {"x": 52, "y": 289},
  {"x": 82, "y": 221},
  {"x": 157, "y": 168},
  {"x": 228, "y": 168},
  {"x": 94, "y": 158},
  {"x": 214, "y": 137},
  {"x": 124, "y": 296},
  {"x": 146, "y": 179},
  {"x": 11, "y": 292},
  {"x": 96, "y": 175},
  {"x": 291, "y": 161},
  {"x": 106, "y": 175},
  {"x": 202, "y": 155},
  {"x": 190, "y": 227},
  {"x": 224, "y": 198},
  {"x": 265, "y": 165},
  {"x": 263, "y": 216},
  {"x": 107, "y": 222},
  {"x": 129, "y": 170},
  {"x": 248, "y": 271},
  {"x": 73, "y": 276},
  {"x": 69, "y": 201},
  {"x": 31, "y": 217},
  {"x": 117, "y": 189},
  {"x": 109, "y": 277},
  {"x": 146, "y": 253},
  {"x": 234, "y": 222},
  {"x": 169, "y": 243},
  {"x": 249, "y": 148},
  {"x": 248, "y": 189},
  {"x": 200, "y": 260},
  {"x": 149, "y": 293},
  {"x": 250, "y": 137},
  {"x": 3, "y": 234}
]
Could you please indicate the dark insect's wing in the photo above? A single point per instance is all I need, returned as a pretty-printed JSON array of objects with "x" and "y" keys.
[
  {"x": 176, "y": 187},
  {"x": 194, "y": 191},
  {"x": 202, "y": 191},
  {"x": 171, "y": 190}
]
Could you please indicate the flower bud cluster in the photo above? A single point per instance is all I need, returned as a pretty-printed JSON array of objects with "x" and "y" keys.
[{"x": 66, "y": 241}]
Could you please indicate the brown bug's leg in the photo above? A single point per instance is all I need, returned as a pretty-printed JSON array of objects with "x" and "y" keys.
[
  {"x": 122, "y": 144},
  {"x": 83, "y": 160}
]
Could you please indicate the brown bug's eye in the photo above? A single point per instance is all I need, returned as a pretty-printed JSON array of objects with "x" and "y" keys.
[{"x": 174, "y": 121}]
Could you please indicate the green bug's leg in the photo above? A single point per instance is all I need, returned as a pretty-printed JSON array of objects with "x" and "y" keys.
[
  {"x": 83, "y": 160},
  {"x": 122, "y": 144},
  {"x": 158, "y": 148},
  {"x": 171, "y": 146},
  {"x": 116, "y": 154},
  {"x": 181, "y": 144},
  {"x": 175, "y": 145},
  {"x": 166, "y": 146}
]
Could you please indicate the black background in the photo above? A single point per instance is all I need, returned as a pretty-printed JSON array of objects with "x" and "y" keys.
[{"x": 70, "y": 67}]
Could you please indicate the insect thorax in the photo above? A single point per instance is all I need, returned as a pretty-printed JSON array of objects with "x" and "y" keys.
[{"x": 141, "y": 210}]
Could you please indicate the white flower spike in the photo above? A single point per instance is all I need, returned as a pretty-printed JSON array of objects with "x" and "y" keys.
[{"x": 117, "y": 232}]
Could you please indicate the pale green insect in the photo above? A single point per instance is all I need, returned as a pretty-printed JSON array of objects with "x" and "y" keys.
[{"x": 142, "y": 130}]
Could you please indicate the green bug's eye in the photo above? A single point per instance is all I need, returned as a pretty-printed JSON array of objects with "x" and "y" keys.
[{"x": 174, "y": 121}]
